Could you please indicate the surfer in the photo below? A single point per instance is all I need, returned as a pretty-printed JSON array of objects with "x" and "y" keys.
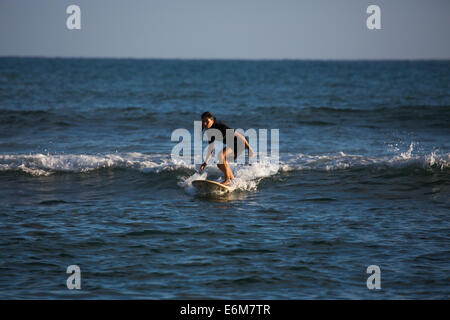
[{"x": 209, "y": 122}]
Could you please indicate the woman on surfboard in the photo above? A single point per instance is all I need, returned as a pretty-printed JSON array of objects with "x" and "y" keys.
[{"x": 231, "y": 148}]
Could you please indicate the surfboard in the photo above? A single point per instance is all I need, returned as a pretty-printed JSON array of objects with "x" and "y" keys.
[{"x": 210, "y": 186}]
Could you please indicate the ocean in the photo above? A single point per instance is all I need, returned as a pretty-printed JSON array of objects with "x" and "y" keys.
[{"x": 87, "y": 179}]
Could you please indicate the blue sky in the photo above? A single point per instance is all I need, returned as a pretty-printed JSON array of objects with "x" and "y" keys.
[{"x": 227, "y": 29}]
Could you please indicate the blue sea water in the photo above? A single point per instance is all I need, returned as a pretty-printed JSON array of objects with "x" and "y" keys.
[{"x": 87, "y": 179}]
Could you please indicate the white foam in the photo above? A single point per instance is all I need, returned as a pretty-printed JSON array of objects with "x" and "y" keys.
[
  {"x": 407, "y": 154},
  {"x": 186, "y": 182},
  {"x": 46, "y": 164},
  {"x": 341, "y": 160},
  {"x": 247, "y": 176}
]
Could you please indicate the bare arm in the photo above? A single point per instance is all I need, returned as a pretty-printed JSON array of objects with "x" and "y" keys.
[
  {"x": 210, "y": 152},
  {"x": 247, "y": 145}
]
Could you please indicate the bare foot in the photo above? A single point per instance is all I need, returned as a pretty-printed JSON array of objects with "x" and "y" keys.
[{"x": 226, "y": 182}]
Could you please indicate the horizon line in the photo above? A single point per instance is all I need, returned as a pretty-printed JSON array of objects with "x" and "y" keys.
[{"x": 218, "y": 59}]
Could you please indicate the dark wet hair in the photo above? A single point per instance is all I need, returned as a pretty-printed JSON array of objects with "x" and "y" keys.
[{"x": 209, "y": 115}]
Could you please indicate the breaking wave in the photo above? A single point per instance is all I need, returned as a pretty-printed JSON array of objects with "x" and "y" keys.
[{"x": 247, "y": 176}]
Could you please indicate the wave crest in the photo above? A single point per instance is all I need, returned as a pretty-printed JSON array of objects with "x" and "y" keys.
[
  {"x": 47, "y": 164},
  {"x": 342, "y": 161}
]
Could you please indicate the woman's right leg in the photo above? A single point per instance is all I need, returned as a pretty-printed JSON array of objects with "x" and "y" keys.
[{"x": 224, "y": 166}]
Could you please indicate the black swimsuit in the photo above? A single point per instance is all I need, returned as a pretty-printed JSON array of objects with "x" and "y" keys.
[{"x": 222, "y": 127}]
